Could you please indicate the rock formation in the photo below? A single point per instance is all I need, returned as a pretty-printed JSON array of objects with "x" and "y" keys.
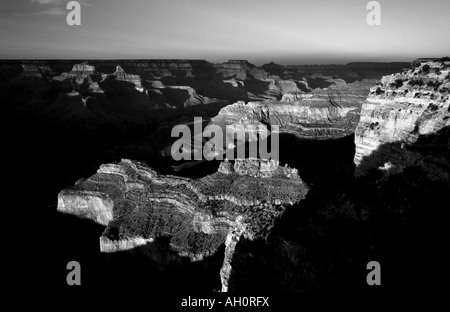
[
  {"x": 137, "y": 205},
  {"x": 79, "y": 73},
  {"x": 281, "y": 88},
  {"x": 241, "y": 69},
  {"x": 405, "y": 122},
  {"x": 185, "y": 95},
  {"x": 81, "y": 76},
  {"x": 322, "y": 114},
  {"x": 36, "y": 71},
  {"x": 182, "y": 83},
  {"x": 121, "y": 75},
  {"x": 258, "y": 168}
]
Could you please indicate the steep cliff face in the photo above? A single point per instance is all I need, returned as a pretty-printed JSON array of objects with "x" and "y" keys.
[
  {"x": 185, "y": 95},
  {"x": 285, "y": 89},
  {"x": 151, "y": 69},
  {"x": 241, "y": 69},
  {"x": 405, "y": 122},
  {"x": 322, "y": 114},
  {"x": 298, "y": 118},
  {"x": 82, "y": 76},
  {"x": 79, "y": 73},
  {"x": 87, "y": 80},
  {"x": 137, "y": 205},
  {"x": 121, "y": 75}
]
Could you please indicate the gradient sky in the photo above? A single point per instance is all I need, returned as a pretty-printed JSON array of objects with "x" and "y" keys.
[{"x": 284, "y": 31}]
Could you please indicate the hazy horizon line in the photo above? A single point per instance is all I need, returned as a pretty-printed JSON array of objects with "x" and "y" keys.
[{"x": 214, "y": 62}]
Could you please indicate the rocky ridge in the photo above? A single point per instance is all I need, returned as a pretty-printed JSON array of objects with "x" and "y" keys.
[
  {"x": 81, "y": 75},
  {"x": 240, "y": 69},
  {"x": 405, "y": 122},
  {"x": 137, "y": 205},
  {"x": 322, "y": 114}
]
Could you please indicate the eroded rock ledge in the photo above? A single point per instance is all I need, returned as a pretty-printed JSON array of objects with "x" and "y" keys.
[
  {"x": 328, "y": 113},
  {"x": 405, "y": 122},
  {"x": 137, "y": 205}
]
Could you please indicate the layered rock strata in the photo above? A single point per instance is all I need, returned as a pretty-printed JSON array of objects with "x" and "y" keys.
[
  {"x": 137, "y": 205},
  {"x": 121, "y": 75},
  {"x": 240, "y": 69},
  {"x": 405, "y": 122},
  {"x": 81, "y": 75},
  {"x": 322, "y": 114}
]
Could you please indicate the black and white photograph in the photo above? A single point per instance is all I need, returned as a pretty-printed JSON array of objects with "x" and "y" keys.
[{"x": 223, "y": 154}]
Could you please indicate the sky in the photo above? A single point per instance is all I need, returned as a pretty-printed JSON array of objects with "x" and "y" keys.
[{"x": 261, "y": 31}]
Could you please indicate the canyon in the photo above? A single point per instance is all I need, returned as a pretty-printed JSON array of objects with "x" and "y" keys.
[
  {"x": 366, "y": 148},
  {"x": 158, "y": 84}
]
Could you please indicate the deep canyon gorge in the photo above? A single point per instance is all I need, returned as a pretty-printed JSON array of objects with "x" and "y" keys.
[{"x": 364, "y": 171}]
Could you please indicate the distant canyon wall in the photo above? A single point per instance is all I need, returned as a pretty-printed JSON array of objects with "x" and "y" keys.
[{"x": 321, "y": 114}]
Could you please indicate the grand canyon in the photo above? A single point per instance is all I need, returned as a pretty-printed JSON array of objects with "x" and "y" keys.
[{"x": 363, "y": 173}]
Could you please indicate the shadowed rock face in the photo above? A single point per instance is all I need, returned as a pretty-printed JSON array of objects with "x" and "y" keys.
[
  {"x": 240, "y": 69},
  {"x": 121, "y": 75},
  {"x": 138, "y": 205},
  {"x": 404, "y": 112}
]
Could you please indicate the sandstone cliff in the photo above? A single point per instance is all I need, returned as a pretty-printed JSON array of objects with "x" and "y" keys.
[
  {"x": 405, "y": 122},
  {"x": 137, "y": 205},
  {"x": 331, "y": 112}
]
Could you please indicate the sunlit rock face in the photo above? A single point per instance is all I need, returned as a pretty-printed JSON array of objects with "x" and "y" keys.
[
  {"x": 285, "y": 89},
  {"x": 405, "y": 122},
  {"x": 121, "y": 75},
  {"x": 80, "y": 73},
  {"x": 322, "y": 114},
  {"x": 258, "y": 168},
  {"x": 138, "y": 205},
  {"x": 82, "y": 76}
]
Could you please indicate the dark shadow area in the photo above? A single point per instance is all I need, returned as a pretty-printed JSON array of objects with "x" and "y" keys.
[
  {"x": 324, "y": 243},
  {"x": 123, "y": 97},
  {"x": 41, "y": 157},
  {"x": 9, "y": 69},
  {"x": 152, "y": 267},
  {"x": 176, "y": 97},
  {"x": 302, "y": 87},
  {"x": 256, "y": 86},
  {"x": 274, "y": 69},
  {"x": 318, "y": 83},
  {"x": 212, "y": 87},
  {"x": 434, "y": 151},
  {"x": 373, "y": 70},
  {"x": 320, "y": 162},
  {"x": 203, "y": 70}
]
